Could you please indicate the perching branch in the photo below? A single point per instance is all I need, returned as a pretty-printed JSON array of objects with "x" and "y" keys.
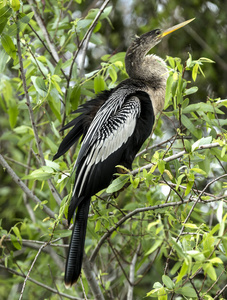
[{"x": 175, "y": 156}]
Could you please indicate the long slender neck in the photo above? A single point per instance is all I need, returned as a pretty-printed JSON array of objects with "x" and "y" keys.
[{"x": 152, "y": 70}]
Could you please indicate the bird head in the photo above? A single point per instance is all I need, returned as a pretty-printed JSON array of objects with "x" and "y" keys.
[{"x": 148, "y": 40}]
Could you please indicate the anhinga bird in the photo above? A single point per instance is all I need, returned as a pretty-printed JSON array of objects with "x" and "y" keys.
[{"x": 114, "y": 126}]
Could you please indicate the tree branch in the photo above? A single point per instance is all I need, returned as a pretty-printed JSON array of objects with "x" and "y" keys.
[
  {"x": 189, "y": 214},
  {"x": 24, "y": 188},
  {"x": 89, "y": 273},
  {"x": 39, "y": 283},
  {"x": 132, "y": 274},
  {"x": 134, "y": 212},
  {"x": 32, "y": 118},
  {"x": 44, "y": 30},
  {"x": 175, "y": 156},
  {"x": 90, "y": 29}
]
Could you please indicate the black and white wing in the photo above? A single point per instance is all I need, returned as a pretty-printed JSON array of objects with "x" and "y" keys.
[
  {"x": 103, "y": 147},
  {"x": 112, "y": 139}
]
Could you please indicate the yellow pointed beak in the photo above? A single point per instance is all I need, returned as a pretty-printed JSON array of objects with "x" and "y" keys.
[{"x": 171, "y": 29}]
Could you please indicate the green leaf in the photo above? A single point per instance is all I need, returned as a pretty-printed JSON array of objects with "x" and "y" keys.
[
  {"x": 154, "y": 247},
  {"x": 168, "y": 282},
  {"x": 9, "y": 46},
  {"x": 16, "y": 232},
  {"x": 5, "y": 13},
  {"x": 210, "y": 271},
  {"x": 55, "y": 106},
  {"x": 13, "y": 113},
  {"x": 99, "y": 84},
  {"x": 43, "y": 173},
  {"x": 98, "y": 225},
  {"x": 40, "y": 86},
  {"x": 161, "y": 166},
  {"x": 23, "y": 129},
  {"x": 112, "y": 73},
  {"x": 15, "y": 242},
  {"x": 168, "y": 94},
  {"x": 190, "y": 91},
  {"x": 117, "y": 184},
  {"x": 195, "y": 72},
  {"x": 190, "y": 126},
  {"x": 75, "y": 96},
  {"x": 188, "y": 146},
  {"x": 183, "y": 271},
  {"x": 22, "y": 23},
  {"x": 216, "y": 260},
  {"x": 15, "y": 4},
  {"x": 186, "y": 291},
  {"x": 162, "y": 294}
]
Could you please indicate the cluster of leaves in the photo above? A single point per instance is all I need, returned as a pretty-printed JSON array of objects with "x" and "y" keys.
[{"x": 167, "y": 228}]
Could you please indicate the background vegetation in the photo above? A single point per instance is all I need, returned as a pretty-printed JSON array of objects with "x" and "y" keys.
[{"x": 164, "y": 236}]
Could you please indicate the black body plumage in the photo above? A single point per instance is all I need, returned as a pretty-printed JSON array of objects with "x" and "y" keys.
[
  {"x": 114, "y": 126},
  {"x": 114, "y": 140}
]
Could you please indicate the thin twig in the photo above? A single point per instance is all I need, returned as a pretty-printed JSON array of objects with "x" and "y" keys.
[
  {"x": 51, "y": 273},
  {"x": 30, "y": 242},
  {"x": 175, "y": 156},
  {"x": 24, "y": 188},
  {"x": 189, "y": 214},
  {"x": 91, "y": 279},
  {"x": 118, "y": 260},
  {"x": 29, "y": 271},
  {"x": 32, "y": 118},
  {"x": 39, "y": 283},
  {"x": 90, "y": 29},
  {"x": 134, "y": 212},
  {"x": 215, "y": 282},
  {"x": 25, "y": 197},
  {"x": 195, "y": 289},
  {"x": 35, "y": 32},
  {"x": 132, "y": 274},
  {"x": 44, "y": 30},
  {"x": 220, "y": 292}
]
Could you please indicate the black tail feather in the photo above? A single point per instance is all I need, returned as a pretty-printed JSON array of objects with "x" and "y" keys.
[{"x": 76, "y": 247}]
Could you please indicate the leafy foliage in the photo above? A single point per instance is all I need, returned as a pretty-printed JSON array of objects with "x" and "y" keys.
[{"x": 163, "y": 235}]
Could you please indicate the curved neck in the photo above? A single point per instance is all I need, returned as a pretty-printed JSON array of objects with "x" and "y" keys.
[
  {"x": 152, "y": 70},
  {"x": 149, "y": 68}
]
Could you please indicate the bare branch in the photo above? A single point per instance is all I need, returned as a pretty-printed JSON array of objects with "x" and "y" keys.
[
  {"x": 32, "y": 118},
  {"x": 28, "y": 274},
  {"x": 89, "y": 273},
  {"x": 132, "y": 274},
  {"x": 220, "y": 292},
  {"x": 51, "y": 54},
  {"x": 24, "y": 188},
  {"x": 175, "y": 156},
  {"x": 90, "y": 29},
  {"x": 44, "y": 30},
  {"x": 189, "y": 214},
  {"x": 134, "y": 212},
  {"x": 39, "y": 283}
]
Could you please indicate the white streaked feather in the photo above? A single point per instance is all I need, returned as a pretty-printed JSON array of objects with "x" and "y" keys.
[{"x": 109, "y": 137}]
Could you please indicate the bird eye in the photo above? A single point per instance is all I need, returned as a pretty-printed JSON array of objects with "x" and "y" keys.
[{"x": 158, "y": 32}]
